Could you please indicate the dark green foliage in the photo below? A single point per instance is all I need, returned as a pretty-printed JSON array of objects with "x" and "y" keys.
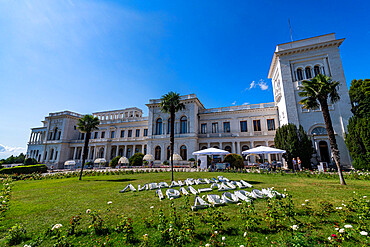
[
  {"x": 13, "y": 159},
  {"x": 88, "y": 164},
  {"x": 295, "y": 142},
  {"x": 235, "y": 160},
  {"x": 136, "y": 159},
  {"x": 114, "y": 162},
  {"x": 359, "y": 94},
  {"x": 358, "y": 136},
  {"x": 30, "y": 161},
  {"x": 24, "y": 169},
  {"x": 191, "y": 159}
]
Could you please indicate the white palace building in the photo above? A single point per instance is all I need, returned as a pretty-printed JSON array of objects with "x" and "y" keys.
[{"x": 235, "y": 128}]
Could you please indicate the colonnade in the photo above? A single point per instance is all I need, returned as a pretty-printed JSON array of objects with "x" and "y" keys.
[{"x": 37, "y": 137}]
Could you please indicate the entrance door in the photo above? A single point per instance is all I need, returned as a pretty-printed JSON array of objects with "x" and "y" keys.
[{"x": 324, "y": 151}]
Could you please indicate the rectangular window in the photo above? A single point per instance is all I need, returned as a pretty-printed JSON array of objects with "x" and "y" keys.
[
  {"x": 214, "y": 127},
  {"x": 112, "y": 134},
  {"x": 102, "y": 135},
  {"x": 56, "y": 155},
  {"x": 96, "y": 135},
  {"x": 129, "y": 133},
  {"x": 226, "y": 127},
  {"x": 137, "y": 134},
  {"x": 270, "y": 124},
  {"x": 122, "y": 133},
  {"x": 243, "y": 126},
  {"x": 257, "y": 125},
  {"x": 145, "y": 132},
  {"x": 203, "y": 128}
]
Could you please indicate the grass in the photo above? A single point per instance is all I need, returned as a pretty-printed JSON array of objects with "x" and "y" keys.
[{"x": 42, "y": 203}]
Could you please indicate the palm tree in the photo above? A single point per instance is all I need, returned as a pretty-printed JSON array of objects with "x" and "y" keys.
[
  {"x": 317, "y": 92},
  {"x": 87, "y": 124},
  {"x": 170, "y": 103}
]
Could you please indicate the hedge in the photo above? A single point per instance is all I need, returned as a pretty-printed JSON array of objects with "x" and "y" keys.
[{"x": 24, "y": 169}]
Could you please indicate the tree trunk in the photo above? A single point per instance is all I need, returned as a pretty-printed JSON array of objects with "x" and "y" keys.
[
  {"x": 84, "y": 154},
  {"x": 172, "y": 139},
  {"x": 332, "y": 140}
]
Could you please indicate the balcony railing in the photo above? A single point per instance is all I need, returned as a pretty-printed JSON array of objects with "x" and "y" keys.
[{"x": 238, "y": 108}]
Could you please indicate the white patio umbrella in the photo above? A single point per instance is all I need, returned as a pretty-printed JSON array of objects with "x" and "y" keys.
[
  {"x": 123, "y": 160},
  {"x": 148, "y": 157},
  {"x": 69, "y": 163},
  {"x": 211, "y": 151},
  {"x": 99, "y": 160},
  {"x": 176, "y": 157},
  {"x": 263, "y": 150}
]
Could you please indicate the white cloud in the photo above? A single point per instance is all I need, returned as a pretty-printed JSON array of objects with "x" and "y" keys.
[
  {"x": 261, "y": 83},
  {"x": 233, "y": 103},
  {"x": 6, "y": 151},
  {"x": 246, "y": 103}
]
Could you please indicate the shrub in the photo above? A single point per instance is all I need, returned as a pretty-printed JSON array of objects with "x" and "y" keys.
[
  {"x": 24, "y": 169},
  {"x": 235, "y": 160},
  {"x": 30, "y": 161},
  {"x": 114, "y": 162},
  {"x": 192, "y": 159},
  {"x": 165, "y": 163},
  {"x": 16, "y": 234},
  {"x": 136, "y": 159},
  {"x": 89, "y": 164}
]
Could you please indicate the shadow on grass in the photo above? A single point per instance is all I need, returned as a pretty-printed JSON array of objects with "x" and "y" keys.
[
  {"x": 253, "y": 182},
  {"x": 116, "y": 180}
]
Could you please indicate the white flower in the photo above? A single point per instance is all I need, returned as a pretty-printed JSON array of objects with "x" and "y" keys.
[
  {"x": 171, "y": 198},
  {"x": 303, "y": 204},
  {"x": 354, "y": 192},
  {"x": 239, "y": 203},
  {"x": 294, "y": 227},
  {"x": 207, "y": 245},
  {"x": 336, "y": 208},
  {"x": 306, "y": 200},
  {"x": 26, "y": 245},
  {"x": 241, "y": 245},
  {"x": 347, "y": 226},
  {"x": 110, "y": 202},
  {"x": 340, "y": 208},
  {"x": 329, "y": 238},
  {"x": 337, "y": 229},
  {"x": 88, "y": 211},
  {"x": 343, "y": 205},
  {"x": 341, "y": 230},
  {"x": 145, "y": 235},
  {"x": 152, "y": 207},
  {"x": 363, "y": 233},
  {"x": 170, "y": 229},
  {"x": 284, "y": 189},
  {"x": 56, "y": 226},
  {"x": 203, "y": 196},
  {"x": 365, "y": 197},
  {"x": 223, "y": 238},
  {"x": 359, "y": 217},
  {"x": 245, "y": 234},
  {"x": 215, "y": 232}
]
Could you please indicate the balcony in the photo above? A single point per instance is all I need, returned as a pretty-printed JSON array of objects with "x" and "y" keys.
[{"x": 238, "y": 108}]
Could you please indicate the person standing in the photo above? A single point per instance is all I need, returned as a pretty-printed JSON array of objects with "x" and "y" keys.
[
  {"x": 294, "y": 165},
  {"x": 299, "y": 164}
]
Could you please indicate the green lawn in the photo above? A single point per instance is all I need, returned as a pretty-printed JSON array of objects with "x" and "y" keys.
[{"x": 42, "y": 203}]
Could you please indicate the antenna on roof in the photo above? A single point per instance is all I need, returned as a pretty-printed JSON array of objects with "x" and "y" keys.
[{"x": 290, "y": 29}]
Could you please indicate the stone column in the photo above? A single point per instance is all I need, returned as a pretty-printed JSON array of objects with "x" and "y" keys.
[
  {"x": 117, "y": 147},
  {"x": 238, "y": 148},
  {"x": 220, "y": 145},
  {"x": 74, "y": 153},
  {"x": 105, "y": 152},
  {"x": 142, "y": 148},
  {"x": 125, "y": 151}
]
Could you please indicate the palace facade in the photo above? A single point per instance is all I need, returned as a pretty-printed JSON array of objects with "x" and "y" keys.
[{"x": 235, "y": 128}]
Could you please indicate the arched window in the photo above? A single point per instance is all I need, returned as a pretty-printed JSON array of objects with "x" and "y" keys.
[
  {"x": 157, "y": 153},
  {"x": 128, "y": 154},
  {"x": 204, "y": 147},
  {"x": 228, "y": 148},
  {"x": 183, "y": 152},
  {"x": 51, "y": 154},
  {"x": 308, "y": 72},
  {"x": 319, "y": 131},
  {"x": 158, "y": 127},
  {"x": 244, "y": 147},
  {"x": 55, "y": 133},
  {"x": 316, "y": 70},
  {"x": 168, "y": 152},
  {"x": 183, "y": 125},
  {"x": 299, "y": 74},
  {"x": 169, "y": 126}
]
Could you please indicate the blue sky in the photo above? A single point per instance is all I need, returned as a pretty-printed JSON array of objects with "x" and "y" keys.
[{"x": 88, "y": 56}]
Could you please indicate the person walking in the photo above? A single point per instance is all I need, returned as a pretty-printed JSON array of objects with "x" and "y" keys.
[
  {"x": 299, "y": 164},
  {"x": 294, "y": 165}
]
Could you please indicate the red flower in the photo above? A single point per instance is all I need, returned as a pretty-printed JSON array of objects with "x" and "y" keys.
[{"x": 334, "y": 236}]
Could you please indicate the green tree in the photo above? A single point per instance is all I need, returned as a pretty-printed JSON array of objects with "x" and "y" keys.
[
  {"x": 317, "y": 92},
  {"x": 235, "y": 161},
  {"x": 86, "y": 125},
  {"x": 136, "y": 159},
  {"x": 296, "y": 143},
  {"x": 170, "y": 103},
  {"x": 358, "y": 136},
  {"x": 30, "y": 161},
  {"x": 114, "y": 162}
]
